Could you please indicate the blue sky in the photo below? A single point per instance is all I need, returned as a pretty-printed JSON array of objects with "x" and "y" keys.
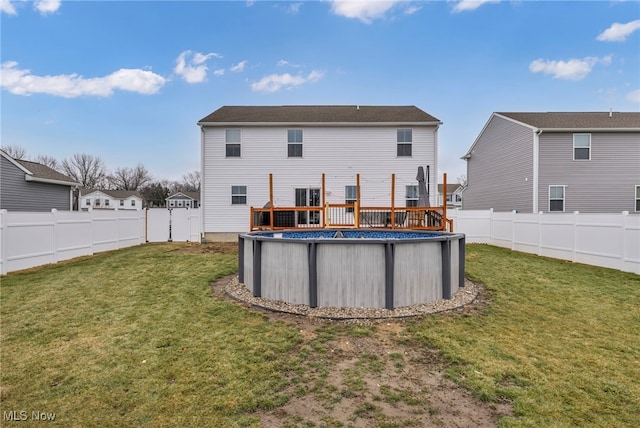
[{"x": 127, "y": 81}]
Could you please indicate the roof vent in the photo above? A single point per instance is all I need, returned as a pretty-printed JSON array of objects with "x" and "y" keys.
[
  {"x": 610, "y": 112},
  {"x": 358, "y": 107}
]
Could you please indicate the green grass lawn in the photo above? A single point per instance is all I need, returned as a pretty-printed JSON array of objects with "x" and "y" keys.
[{"x": 134, "y": 337}]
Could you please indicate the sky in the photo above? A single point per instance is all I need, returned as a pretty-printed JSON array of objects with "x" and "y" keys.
[{"x": 127, "y": 81}]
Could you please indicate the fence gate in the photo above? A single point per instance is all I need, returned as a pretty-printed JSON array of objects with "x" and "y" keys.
[{"x": 176, "y": 224}]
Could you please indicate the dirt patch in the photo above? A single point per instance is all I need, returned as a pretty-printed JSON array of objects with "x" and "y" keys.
[{"x": 372, "y": 376}]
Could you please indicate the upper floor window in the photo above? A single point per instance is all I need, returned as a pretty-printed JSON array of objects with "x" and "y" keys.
[
  {"x": 581, "y": 146},
  {"x": 122, "y": 202},
  {"x": 88, "y": 202},
  {"x": 405, "y": 138},
  {"x": 97, "y": 202},
  {"x": 411, "y": 196},
  {"x": 294, "y": 140},
  {"x": 638, "y": 197},
  {"x": 239, "y": 195},
  {"x": 106, "y": 202},
  {"x": 556, "y": 198},
  {"x": 232, "y": 140},
  {"x": 133, "y": 202}
]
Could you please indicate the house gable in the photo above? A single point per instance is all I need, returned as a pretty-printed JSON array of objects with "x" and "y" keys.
[{"x": 24, "y": 190}]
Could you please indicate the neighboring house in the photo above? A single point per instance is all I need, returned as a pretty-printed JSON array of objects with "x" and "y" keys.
[
  {"x": 31, "y": 186},
  {"x": 110, "y": 199},
  {"x": 454, "y": 195},
  {"x": 184, "y": 200},
  {"x": 556, "y": 162},
  {"x": 242, "y": 145}
]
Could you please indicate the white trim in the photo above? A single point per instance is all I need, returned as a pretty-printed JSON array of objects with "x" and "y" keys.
[
  {"x": 15, "y": 162},
  {"x": 564, "y": 198},
  {"x": 28, "y": 177},
  {"x": 574, "y": 146},
  {"x": 536, "y": 168}
]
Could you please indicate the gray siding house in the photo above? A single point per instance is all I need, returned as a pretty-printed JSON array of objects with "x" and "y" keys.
[
  {"x": 30, "y": 186},
  {"x": 556, "y": 162},
  {"x": 184, "y": 200}
]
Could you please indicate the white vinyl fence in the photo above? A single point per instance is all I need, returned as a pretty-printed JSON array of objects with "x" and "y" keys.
[
  {"x": 29, "y": 239},
  {"x": 177, "y": 224},
  {"x": 607, "y": 240}
]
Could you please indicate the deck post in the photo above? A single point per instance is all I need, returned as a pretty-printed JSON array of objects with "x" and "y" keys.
[
  {"x": 444, "y": 202},
  {"x": 324, "y": 203},
  {"x": 271, "y": 201},
  {"x": 461, "y": 256},
  {"x": 393, "y": 201}
]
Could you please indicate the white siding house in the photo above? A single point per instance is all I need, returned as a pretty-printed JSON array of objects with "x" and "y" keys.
[
  {"x": 241, "y": 146},
  {"x": 110, "y": 200}
]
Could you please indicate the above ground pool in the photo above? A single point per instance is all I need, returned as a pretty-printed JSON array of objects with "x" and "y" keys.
[{"x": 352, "y": 268}]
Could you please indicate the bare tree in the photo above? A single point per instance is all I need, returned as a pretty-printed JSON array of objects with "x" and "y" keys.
[
  {"x": 462, "y": 180},
  {"x": 49, "y": 161},
  {"x": 130, "y": 178},
  {"x": 15, "y": 152},
  {"x": 191, "y": 181},
  {"x": 90, "y": 171}
]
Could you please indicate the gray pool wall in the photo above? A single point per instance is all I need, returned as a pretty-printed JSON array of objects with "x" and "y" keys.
[{"x": 370, "y": 269}]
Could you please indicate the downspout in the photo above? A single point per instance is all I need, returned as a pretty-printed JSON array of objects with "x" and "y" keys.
[
  {"x": 536, "y": 167},
  {"x": 202, "y": 180}
]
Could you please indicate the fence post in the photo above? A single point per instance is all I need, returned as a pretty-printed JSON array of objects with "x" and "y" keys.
[
  {"x": 491, "y": 226},
  {"x": 513, "y": 229},
  {"x": 54, "y": 221},
  {"x": 3, "y": 244},
  {"x": 623, "y": 243},
  {"x": 539, "y": 233},
  {"x": 575, "y": 235}
]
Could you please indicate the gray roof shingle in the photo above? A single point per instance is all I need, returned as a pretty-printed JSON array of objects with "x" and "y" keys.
[
  {"x": 578, "y": 120},
  {"x": 318, "y": 114},
  {"x": 42, "y": 171}
]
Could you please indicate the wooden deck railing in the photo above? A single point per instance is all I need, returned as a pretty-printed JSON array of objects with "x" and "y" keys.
[{"x": 350, "y": 215}]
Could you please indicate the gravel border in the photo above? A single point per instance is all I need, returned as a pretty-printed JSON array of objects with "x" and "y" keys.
[{"x": 464, "y": 296}]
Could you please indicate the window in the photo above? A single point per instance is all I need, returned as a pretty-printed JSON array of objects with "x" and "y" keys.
[
  {"x": 106, "y": 202},
  {"x": 581, "y": 146},
  {"x": 239, "y": 195},
  {"x": 88, "y": 202},
  {"x": 411, "y": 197},
  {"x": 122, "y": 202},
  {"x": 133, "y": 202},
  {"x": 232, "y": 139},
  {"x": 405, "y": 138},
  {"x": 638, "y": 197},
  {"x": 294, "y": 140},
  {"x": 97, "y": 202},
  {"x": 350, "y": 196},
  {"x": 556, "y": 198}
]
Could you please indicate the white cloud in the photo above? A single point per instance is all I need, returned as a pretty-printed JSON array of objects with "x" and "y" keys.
[
  {"x": 465, "y": 5},
  {"x": 275, "y": 82},
  {"x": 191, "y": 66},
  {"x": 239, "y": 67},
  {"x": 218, "y": 72},
  {"x": 363, "y": 10},
  {"x": 7, "y": 7},
  {"x": 634, "y": 96},
  {"x": 22, "y": 82},
  {"x": 574, "y": 69},
  {"x": 284, "y": 63},
  {"x": 294, "y": 8},
  {"x": 619, "y": 32},
  {"x": 47, "y": 6}
]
